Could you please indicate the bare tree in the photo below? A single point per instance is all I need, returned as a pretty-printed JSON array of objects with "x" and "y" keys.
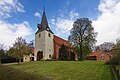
[{"x": 106, "y": 46}]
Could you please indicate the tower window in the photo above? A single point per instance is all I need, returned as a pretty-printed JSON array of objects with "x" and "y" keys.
[
  {"x": 49, "y": 35},
  {"x": 39, "y": 35},
  {"x": 50, "y": 56}
]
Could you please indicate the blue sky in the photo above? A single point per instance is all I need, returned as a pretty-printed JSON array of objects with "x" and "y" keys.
[
  {"x": 53, "y": 9},
  {"x": 20, "y": 18}
]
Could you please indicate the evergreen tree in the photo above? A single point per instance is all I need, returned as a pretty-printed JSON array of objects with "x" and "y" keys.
[{"x": 62, "y": 53}]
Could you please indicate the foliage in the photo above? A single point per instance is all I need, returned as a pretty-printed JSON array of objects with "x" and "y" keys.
[
  {"x": 8, "y": 59},
  {"x": 62, "y": 53},
  {"x": 68, "y": 70},
  {"x": 2, "y": 52},
  {"x": 82, "y": 36},
  {"x": 115, "y": 54},
  {"x": 114, "y": 60},
  {"x": 19, "y": 49}
]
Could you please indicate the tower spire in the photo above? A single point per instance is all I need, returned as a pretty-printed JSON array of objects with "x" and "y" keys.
[{"x": 44, "y": 21}]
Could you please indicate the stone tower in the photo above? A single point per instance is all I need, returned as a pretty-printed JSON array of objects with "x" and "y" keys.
[{"x": 44, "y": 47}]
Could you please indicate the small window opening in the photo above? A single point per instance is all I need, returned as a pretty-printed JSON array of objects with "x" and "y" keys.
[
  {"x": 49, "y": 35},
  {"x": 39, "y": 35}
]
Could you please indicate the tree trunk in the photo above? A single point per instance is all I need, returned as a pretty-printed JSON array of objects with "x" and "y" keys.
[
  {"x": 0, "y": 60},
  {"x": 80, "y": 44},
  {"x": 81, "y": 53},
  {"x": 19, "y": 61}
]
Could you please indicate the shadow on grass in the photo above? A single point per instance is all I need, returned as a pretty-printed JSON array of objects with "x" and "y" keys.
[{"x": 9, "y": 73}]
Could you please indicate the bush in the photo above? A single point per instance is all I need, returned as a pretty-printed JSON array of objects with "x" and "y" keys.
[
  {"x": 43, "y": 59},
  {"x": 51, "y": 60},
  {"x": 115, "y": 60},
  {"x": 8, "y": 59}
]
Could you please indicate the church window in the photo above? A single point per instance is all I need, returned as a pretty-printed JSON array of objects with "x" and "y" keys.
[
  {"x": 50, "y": 56},
  {"x": 39, "y": 35},
  {"x": 49, "y": 35}
]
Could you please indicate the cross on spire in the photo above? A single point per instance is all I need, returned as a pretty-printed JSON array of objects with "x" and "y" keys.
[{"x": 44, "y": 8}]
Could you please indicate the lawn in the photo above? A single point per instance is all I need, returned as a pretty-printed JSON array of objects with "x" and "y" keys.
[{"x": 67, "y": 70}]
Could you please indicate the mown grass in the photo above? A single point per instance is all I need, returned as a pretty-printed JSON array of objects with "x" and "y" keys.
[
  {"x": 67, "y": 70},
  {"x": 9, "y": 73}
]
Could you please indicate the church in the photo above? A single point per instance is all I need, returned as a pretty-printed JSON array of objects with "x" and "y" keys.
[{"x": 47, "y": 44}]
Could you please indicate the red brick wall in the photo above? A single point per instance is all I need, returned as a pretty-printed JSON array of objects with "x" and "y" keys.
[
  {"x": 57, "y": 44},
  {"x": 103, "y": 56}
]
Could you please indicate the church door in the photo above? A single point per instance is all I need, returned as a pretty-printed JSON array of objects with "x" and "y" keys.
[{"x": 39, "y": 55}]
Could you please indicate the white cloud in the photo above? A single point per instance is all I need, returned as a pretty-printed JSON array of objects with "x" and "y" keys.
[
  {"x": 8, "y": 6},
  {"x": 108, "y": 23},
  {"x": 64, "y": 22},
  {"x": 9, "y": 32},
  {"x": 37, "y": 14}
]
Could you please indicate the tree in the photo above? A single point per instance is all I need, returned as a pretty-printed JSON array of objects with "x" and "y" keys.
[
  {"x": 62, "y": 53},
  {"x": 106, "y": 46},
  {"x": 19, "y": 49},
  {"x": 2, "y": 52},
  {"x": 115, "y": 51},
  {"x": 82, "y": 36}
]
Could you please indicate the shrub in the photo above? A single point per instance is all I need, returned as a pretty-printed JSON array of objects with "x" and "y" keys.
[
  {"x": 51, "y": 60},
  {"x": 43, "y": 59},
  {"x": 115, "y": 60}
]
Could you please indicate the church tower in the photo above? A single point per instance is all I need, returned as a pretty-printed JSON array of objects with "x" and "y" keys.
[{"x": 43, "y": 40}]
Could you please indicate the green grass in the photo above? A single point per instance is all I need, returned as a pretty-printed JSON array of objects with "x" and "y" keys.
[
  {"x": 9, "y": 73},
  {"x": 67, "y": 70}
]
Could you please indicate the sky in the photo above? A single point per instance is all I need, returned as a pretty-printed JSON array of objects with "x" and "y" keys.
[{"x": 19, "y": 18}]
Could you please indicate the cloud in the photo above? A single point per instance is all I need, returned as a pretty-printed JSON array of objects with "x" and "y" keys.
[
  {"x": 10, "y": 31},
  {"x": 37, "y": 14},
  {"x": 64, "y": 22},
  {"x": 8, "y": 6},
  {"x": 108, "y": 22}
]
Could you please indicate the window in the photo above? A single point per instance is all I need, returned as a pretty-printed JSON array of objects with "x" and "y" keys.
[
  {"x": 49, "y": 35},
  {"x": 47, "y": 28},
  {"x": 39, "y": 35},
  {"x": 102, "y": 55},
  {"x": 50, "y": 56}
]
